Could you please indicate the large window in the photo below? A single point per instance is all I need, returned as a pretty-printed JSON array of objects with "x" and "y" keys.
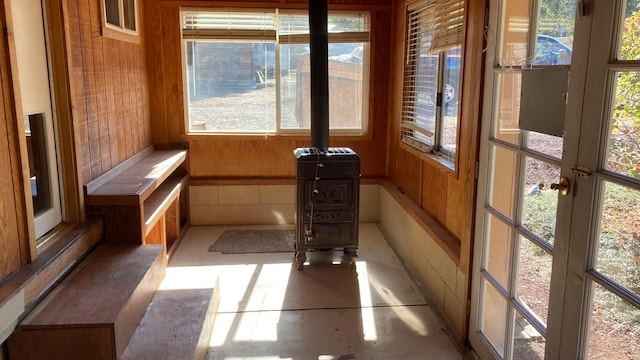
[
  {"x": 248, "y": 71},
  {"x": 431, "y": 87}
]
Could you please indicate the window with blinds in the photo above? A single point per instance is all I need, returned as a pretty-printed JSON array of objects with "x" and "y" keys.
[
  {"x": 432, "y": 76},
  {"x": 247, "y": 70}
]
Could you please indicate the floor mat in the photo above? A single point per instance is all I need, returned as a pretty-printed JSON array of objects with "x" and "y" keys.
[{"x": 254, "y": 241}]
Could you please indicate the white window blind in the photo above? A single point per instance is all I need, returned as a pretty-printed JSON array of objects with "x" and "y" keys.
[
  {"x": 420, "y": 83},
  {"x": 236, "y": 25},
  {"x": 449, "y": 25},
  {"x": 293, "y": 27}
]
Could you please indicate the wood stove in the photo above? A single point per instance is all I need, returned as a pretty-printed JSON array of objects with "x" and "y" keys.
[
  {"x": 328, "y": 179},
  {"x": 328, "y": 194}
]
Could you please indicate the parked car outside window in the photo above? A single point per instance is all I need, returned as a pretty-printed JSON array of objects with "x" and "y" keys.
[{"x": 551, "y": 51}]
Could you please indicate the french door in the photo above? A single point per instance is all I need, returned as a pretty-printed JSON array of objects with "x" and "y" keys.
[
  {"x": 30, "y": 56},
  {"x": 557, "y": 257}
]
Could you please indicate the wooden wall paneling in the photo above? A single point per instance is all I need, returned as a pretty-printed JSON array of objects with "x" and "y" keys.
[
  {"x": 139, "y": 113},
  {"x": 134, "y": 88},
  {"x": 95, "y": 14},
  {"x": 155, "y": 65},
  {"x": 242, "y": 158},
  {"x": 23, "y": 239},
  {"x": 73, "y": 204},
  {"x": 115, "y": 132},
  {"x": 10, "y": 239},
  {"x": 456, "y": 210},
  {"x": 102, "y": 104},
  {"x": 17, "y": 144},
  {"x": 434, "y": 192},
  {"x": 126, "y": 119},
  {"x": 93, "y": 125},
  {"x": 143, "y": 80},
  {"x": 472, "y": 112},
  {"x": 131, "y": 119},
  {"x": 118, "y": 92},
  {"x": 77, "y": 88},
  {"x": 172, "y": 60}
]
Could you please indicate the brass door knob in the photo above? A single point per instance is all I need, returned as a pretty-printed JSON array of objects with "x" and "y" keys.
[{"x": 563, "y": 186}]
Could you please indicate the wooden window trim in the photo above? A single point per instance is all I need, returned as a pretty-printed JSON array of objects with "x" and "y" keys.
[{"x": 116, "y": 33}]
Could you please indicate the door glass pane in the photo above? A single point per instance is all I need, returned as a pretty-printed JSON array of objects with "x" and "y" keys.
[
  {"x": 546, "y": 144},
  {"x": 554, "y": 40},
  {"x": 629, "y": 47},
  {"x": 516, "y": 32},
  {"x": 502, "y": 182},
  {"x": 494, "y": 317},
  {"x": 508, "y": 108},
  {"x": 40, "y": 177},
  {"x": 539, "y": 203},
  {"x": 614, "y": 328},
  {"x": 619, "y": 242},
  {"x": 624, "y": 132},
  {"x": 534, "y": 278},
  {"x": 499, "y": 243},
  {"x": 528, "y": 343}
]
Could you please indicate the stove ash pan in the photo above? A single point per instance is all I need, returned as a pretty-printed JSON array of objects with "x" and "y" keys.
[{"x": 327, "y": 201}]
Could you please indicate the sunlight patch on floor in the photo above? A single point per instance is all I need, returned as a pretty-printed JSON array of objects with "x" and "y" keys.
[
  {"x": 189, "y": 277},
  {"x": 366, "y": 303}
]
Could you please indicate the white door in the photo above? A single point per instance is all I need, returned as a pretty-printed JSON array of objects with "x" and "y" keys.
[
  {"x": 30, "y": 56},
  {"x": 558, "y": 274}
]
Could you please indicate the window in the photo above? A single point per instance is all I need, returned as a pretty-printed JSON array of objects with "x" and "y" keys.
[
  {"x": 248, "y": 71},
  {"x": 120, "y": 16},
  {"x": 431, "y": 87}
]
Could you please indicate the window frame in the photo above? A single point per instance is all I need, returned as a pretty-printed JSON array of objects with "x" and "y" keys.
[
  {"x": 120, "y": 32},
  {"x": 280, "y": 40},
  {"x": 415, "y": 137}
]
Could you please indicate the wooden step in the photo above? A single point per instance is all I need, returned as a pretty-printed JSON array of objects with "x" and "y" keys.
[
  {"x": 177, "y": 325},
  {"x": 94, "y": 311}
]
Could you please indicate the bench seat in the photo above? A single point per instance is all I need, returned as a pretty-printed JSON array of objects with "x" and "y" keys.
[{"x": 95, "y": 310}]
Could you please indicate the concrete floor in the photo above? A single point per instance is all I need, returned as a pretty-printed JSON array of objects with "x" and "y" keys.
[{"x": 270, "y": 310}]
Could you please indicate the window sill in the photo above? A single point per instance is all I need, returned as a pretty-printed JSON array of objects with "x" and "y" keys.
[
  {"x": 438, "y": 161},
  {"x": 120, "y": 35},
  {"x": 270, "y": 136}
]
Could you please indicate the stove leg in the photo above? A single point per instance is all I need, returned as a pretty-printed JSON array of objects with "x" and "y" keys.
[
  {"x": 352, "y": 253},
  {"x": 301, "y": 257}
]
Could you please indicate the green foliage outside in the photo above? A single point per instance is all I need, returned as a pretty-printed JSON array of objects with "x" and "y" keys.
[{"x": 624, "y": 148}]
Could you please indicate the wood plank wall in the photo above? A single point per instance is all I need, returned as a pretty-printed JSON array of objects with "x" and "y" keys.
[
  {"x": 448, "y": 196},
  {"x": 109, "y": 90},
  {"x": 224, "y": 157},
  {"x": 14, "y": 248}
]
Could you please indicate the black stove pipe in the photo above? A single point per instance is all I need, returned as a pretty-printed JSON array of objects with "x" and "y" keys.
[{"x": 319, "y": 58}]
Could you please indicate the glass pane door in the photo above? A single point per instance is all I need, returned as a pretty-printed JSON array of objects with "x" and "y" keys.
[
  {"x": 611, "y": 318},
  {"x": 28, "y": 29},
  {"x": 517, "y": 204}
]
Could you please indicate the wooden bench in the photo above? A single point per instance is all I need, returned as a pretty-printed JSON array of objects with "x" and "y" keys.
[
  {"x": 143, "y": 200},
  {"x": 95, "y": 310}
]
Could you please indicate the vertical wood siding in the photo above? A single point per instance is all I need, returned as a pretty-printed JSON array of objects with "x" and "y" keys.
[
  {"x": 109, "y": 90},
  {"x": 14, "y": 248}
]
